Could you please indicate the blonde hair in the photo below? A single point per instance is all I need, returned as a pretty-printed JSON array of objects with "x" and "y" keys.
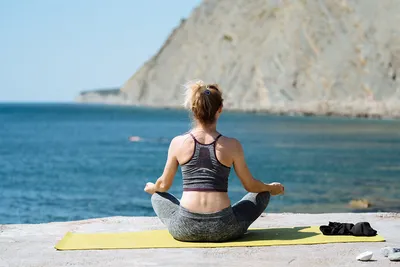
[{"x": 203, "y": 100}]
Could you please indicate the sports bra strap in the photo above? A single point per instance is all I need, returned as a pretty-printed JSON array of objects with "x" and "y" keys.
[
  {"x": 194, "y": 138},
  {"x": 215, "y": 140},
  {"x": 218, "y": 137}
]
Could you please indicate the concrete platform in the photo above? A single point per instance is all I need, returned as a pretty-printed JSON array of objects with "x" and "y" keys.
[{"x": 33, "y": 245}]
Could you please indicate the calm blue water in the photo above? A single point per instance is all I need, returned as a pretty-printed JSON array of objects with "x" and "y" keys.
[{"x": 68, "y": 162}]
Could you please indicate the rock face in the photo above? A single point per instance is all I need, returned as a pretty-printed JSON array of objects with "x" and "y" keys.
[{"x": 301, "y": 56}]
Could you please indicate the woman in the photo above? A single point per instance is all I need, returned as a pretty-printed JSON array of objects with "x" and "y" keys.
[{"x": 204, "y": 212}]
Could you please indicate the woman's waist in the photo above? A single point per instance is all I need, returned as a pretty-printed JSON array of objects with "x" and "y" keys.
[{"x": 205, "y": 201}]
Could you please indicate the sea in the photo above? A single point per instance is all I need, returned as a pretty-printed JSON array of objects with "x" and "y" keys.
[{"x": 63, "y": 162}]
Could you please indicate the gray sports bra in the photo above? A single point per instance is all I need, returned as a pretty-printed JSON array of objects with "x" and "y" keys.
[{"x": 203, "y": 171}]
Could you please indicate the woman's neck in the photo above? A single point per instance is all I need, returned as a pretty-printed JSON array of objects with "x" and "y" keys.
[{"x": 212, "y": 128}]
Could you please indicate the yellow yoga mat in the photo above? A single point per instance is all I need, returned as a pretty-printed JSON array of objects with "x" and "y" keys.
[{"x": 162, "y": 239}]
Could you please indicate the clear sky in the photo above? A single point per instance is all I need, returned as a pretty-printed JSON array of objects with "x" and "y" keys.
[{"x": 50, "y": 50}]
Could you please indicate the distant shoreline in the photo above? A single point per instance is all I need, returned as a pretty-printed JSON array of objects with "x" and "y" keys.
[
  {"x": 272, "y": 111},
  {"x": 290, "y": 113}
]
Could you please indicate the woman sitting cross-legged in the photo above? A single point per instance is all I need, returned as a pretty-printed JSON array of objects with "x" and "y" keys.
[{"x": 204, "y": 212}]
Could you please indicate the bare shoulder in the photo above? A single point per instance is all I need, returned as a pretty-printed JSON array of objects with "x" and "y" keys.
[
  {"x": 179, "y": 140},
  {"x": 232, "y": 143}
]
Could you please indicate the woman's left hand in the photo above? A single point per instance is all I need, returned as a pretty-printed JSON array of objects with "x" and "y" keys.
[{"x": 150, "y": 188}]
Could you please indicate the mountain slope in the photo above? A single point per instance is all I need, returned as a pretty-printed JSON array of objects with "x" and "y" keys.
[{"x": 303, "y": 56}]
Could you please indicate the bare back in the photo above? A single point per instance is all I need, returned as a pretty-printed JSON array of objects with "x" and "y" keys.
[{"x": 198, "y": 201}]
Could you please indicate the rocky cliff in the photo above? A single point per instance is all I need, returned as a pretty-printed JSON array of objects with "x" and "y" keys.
[{"x": 301, "y": 56}]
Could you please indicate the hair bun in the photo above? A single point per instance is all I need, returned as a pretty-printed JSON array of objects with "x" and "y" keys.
[
  {"x": 203, "y": 100},
  {"x": 195, "y": 86},
  {"x": 191, "y": 88}
]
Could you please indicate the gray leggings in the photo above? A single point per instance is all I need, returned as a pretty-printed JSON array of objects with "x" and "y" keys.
[{"x": 227, "y": 224}]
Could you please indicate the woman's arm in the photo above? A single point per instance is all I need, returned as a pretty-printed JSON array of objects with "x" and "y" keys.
[
  {"x": 171, "y": 166},
  {"x": 248, "y": 181}
]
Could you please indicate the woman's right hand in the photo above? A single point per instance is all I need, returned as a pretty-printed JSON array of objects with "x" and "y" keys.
[
  {"x": 276, "y": 189},
  {"x": 150, "y": 188}
]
